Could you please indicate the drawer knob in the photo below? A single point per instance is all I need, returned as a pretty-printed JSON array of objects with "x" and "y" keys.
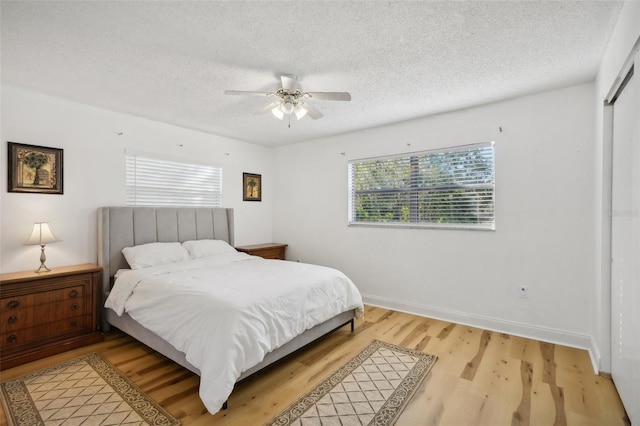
[
  {"x": 74, "y": 306},
  {"x": 12, "y": 338},
  {"x": 13, "y": 304},
  {"x": 13, "y": 319},
  {"x": 73, "y": 293},
  {"x": 74, "y": 323}
]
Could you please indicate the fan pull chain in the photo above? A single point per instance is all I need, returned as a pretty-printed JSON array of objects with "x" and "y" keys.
[{"x": 289, "y": 120}]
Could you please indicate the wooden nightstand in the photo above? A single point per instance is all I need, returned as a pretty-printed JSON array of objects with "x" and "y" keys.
[
  {"x": 48, "y": 313},
  {"x": 267, "y": 251}
]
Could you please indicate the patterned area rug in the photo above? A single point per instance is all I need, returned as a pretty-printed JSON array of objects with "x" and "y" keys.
[
  {"x": 371, "y": 389},
  {"x": 87, "y": 390}
]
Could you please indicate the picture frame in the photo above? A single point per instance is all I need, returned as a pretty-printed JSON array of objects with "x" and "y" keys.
[
  {"x": 251, "y": 187},
  {"x": 34, "y": 169}
]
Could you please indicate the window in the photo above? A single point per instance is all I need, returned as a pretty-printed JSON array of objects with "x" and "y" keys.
[
  {"x": 449, "y": 188},
  {"x": 159, "y": 182}
]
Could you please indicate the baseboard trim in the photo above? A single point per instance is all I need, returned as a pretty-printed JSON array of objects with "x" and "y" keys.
[{"x": 545, "y": 334}]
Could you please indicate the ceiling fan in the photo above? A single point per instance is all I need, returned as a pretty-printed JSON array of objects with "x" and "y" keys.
[{"x": 290, "y": 99}]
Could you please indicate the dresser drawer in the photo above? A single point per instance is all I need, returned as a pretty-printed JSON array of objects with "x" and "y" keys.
[
  {"x": 272, "y": 253},
  {"x": 10, "y": 304},
  {"x": 49, "y": 330},
  {"x": 17, "y": 319}
]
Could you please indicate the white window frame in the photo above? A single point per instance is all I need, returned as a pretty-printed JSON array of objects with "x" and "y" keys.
[
  {"x": 414, "y": 189},
  {"x": 153, "y": 180}
]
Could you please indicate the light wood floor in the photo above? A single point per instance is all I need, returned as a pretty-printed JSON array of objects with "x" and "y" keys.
[{"x": 480, "y": 378}]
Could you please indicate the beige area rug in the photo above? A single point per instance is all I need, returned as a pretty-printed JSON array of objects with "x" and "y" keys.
[
  {"x": 87, "y": 390},
  {"x": 371, "y": 389}
]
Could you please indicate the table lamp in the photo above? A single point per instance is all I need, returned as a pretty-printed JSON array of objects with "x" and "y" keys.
[{"x": 41, "y": 235}]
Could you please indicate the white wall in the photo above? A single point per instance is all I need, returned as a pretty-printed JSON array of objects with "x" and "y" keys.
[
  {"x": 625, "y": 34},
  {"x": 544, "y": 219},
  {"x": 94, "y": 174}
]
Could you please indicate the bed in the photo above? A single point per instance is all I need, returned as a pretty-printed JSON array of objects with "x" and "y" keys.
[{"x": 141, "y": 227}]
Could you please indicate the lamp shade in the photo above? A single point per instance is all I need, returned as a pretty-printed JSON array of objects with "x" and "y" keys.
[{"x": 41, "y": 234}]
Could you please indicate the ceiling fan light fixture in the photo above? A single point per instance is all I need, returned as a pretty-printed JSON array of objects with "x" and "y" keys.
[
  {"x": 300, "y": 111},
  {"x": 287, "y": 107},
  {"x": 277, "y": 113}
]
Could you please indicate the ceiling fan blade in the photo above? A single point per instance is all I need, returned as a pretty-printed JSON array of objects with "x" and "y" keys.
[
  {"x": 328, "y": 96},
  {"x": 248, "y": 93},
  {"x": 267, "y": 108},
  {"x": 289, "y": 82},
  {"x": 312, "y": 111}
]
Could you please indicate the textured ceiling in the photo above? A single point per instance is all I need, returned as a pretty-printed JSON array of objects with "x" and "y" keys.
[{"x": 171, "y": 61}]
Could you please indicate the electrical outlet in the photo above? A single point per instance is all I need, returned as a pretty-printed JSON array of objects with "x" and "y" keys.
[{"x": 523, "y": 290}]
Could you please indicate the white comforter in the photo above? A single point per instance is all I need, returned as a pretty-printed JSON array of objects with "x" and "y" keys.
[{"x": 226, "y": 312}]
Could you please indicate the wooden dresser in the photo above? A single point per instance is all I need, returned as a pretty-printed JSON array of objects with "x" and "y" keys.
[
  {"x": 48, "y": 313},
  {"x": 268, "y": 250}
]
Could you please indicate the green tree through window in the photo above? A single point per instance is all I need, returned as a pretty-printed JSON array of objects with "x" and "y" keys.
[{"x": 453, "y": 187}]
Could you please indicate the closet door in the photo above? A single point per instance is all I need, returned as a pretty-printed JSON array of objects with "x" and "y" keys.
[{"x": 625, "y": 246}]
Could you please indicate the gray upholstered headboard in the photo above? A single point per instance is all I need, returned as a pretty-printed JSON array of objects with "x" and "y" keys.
[{"x": 120, "y": 227}]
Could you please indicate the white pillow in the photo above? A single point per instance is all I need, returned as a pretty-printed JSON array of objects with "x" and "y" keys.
[
  {"x": 153, "y": 254},
  {"x": 206, "y": 248}
]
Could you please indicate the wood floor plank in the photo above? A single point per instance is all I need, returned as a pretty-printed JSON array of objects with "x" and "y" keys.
[
  {"x": 498, "y": 377},
  {"x": 522, "y": 415},
  {"x": 480, "y": 378},
  {"x": 549, "y": 377},
  {"x": 471, "y": 368},
  {"x": 444, "y": 333},
  {"x": 418, "y": 338},
  {"x": 542, "y": 406}
]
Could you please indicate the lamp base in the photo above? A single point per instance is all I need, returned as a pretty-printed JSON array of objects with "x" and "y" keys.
[
  {"x": 43, "y": 258},
  {"x": 42, "y": 268}
]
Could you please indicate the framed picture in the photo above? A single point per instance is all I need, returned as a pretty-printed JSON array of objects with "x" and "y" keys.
[
  {"x": 35, "y": 169},
  {"x": 251, "y": 187}
]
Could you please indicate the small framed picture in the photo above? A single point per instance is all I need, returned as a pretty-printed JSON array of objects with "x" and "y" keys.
[
  {"x": 251, "y": 187},
  {"x": 35, "y": 169}
]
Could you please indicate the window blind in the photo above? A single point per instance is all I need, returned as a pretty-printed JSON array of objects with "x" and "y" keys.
[
  {"x": 452, "y": 187},
  {"x": 159, "y": 182}
]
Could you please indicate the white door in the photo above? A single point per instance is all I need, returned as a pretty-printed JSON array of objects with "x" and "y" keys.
[{"x": 625, "y": 246}]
